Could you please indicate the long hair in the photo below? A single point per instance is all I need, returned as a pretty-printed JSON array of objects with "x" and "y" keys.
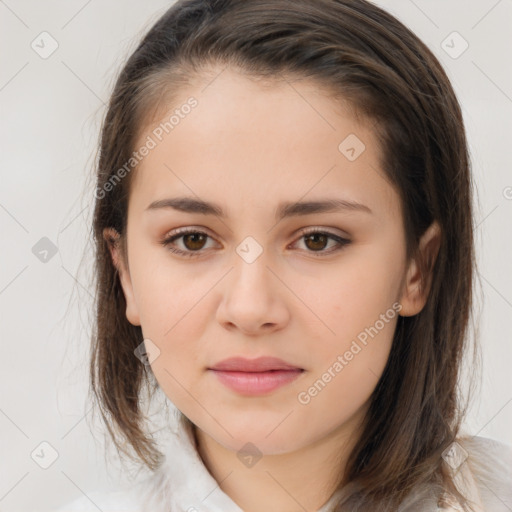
[{"x": 363, "y": 55}]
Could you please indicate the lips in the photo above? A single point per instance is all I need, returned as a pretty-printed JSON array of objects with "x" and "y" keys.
[
  {"x": 252, "y": 377},
  {"x": 261, "y": 364}
]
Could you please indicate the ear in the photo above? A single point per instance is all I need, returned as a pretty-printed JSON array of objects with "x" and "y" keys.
[
  {"x": 113, "y": 239},
  {"x": 419, "y": 275}
]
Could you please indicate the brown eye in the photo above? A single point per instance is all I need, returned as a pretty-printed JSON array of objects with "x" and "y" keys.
[
  {"x": 194, "y": 241},
  {"x": 316, "y": 241}
]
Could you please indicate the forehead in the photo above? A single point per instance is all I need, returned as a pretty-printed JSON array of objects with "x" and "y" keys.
[{"x": 263, "y": 141}]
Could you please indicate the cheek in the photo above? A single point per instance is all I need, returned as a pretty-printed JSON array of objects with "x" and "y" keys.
[
  {"x": 173, "y": 310},
  {"x": 346, "y": 373},
  {"x": 351, "y": 296},
  {"x": 165, "y": 295},
  {"x": 360, "y": 309}
]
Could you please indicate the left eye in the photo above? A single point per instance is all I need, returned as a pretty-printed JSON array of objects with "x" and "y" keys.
[
  {"x": 315, "y": 239},
  {"x": 318, "y": 239}
]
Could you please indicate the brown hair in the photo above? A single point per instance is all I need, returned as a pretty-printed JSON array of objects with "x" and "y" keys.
[{"x": 365, "y": 56}]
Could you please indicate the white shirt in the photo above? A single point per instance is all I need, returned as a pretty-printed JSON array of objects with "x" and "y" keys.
[{"x": 183, "y": 483}]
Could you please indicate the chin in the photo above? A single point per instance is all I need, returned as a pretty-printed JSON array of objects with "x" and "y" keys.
[{"x": 268, "y": 439}]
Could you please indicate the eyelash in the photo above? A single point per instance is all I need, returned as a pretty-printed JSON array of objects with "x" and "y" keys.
[{"x": 179, "y": 234}]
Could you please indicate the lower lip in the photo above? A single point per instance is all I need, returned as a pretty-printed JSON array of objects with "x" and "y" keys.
[{"x": 256, "y": 383}]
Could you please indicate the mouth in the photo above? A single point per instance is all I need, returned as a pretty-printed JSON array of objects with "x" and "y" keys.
[
  {"x": 256, "y": 376},
  {"x": 261, "y": 364}
]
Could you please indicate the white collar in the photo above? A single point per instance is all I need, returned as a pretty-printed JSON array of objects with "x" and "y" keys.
[{"x": 183, "y": 483}]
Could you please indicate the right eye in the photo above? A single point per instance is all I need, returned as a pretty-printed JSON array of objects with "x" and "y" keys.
[{"x": 193, "y": 241}]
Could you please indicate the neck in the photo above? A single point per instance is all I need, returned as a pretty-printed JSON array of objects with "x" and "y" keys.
[{"x": 304, "y": 479}]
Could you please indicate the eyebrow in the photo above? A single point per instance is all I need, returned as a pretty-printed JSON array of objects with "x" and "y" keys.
[{"x": 284, "y": 209}]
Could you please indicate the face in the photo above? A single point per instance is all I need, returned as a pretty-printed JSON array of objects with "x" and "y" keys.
[{"x": 319, "y": 288}]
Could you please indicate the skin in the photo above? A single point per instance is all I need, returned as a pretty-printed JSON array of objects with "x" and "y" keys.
[{"x": 248, "y": 146}]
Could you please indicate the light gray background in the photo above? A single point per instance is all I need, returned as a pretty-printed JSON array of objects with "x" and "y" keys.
[{"x": 51, "y": 111}]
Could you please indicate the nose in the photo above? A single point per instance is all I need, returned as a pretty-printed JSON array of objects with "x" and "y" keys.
[{"x": 254, "y": 300}]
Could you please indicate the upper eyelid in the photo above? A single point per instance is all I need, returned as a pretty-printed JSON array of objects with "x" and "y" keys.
[
  {"x": 302, "y": 231},
  {"x": 178, "y": 232}
]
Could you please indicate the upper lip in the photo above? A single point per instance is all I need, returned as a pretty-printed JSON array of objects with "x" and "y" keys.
[{"x": 261, "y": 364}]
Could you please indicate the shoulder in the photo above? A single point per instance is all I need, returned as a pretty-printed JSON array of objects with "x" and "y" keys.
[
  {"x": 125, "y": 500},
  {"x": 490, "y": 463},
  {"x": 488, "y": 456},
  {"x": 482, "y": 471}
]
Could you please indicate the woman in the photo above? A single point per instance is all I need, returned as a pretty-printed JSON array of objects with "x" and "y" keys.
[{"x": 285, "y": 248}]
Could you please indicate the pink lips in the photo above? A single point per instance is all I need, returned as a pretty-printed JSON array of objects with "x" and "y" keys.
[{"x": 255, "y": 376}]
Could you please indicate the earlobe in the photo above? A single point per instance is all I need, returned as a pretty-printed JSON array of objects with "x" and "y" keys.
[
  {"x": 419, "y": 275},
  {"x": 112, "y": 238}
]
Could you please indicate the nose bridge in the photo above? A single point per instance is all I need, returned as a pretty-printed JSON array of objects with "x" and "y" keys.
[
  {"x": 250, "y": 261},
  {"x": 250, "y": 296}
]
